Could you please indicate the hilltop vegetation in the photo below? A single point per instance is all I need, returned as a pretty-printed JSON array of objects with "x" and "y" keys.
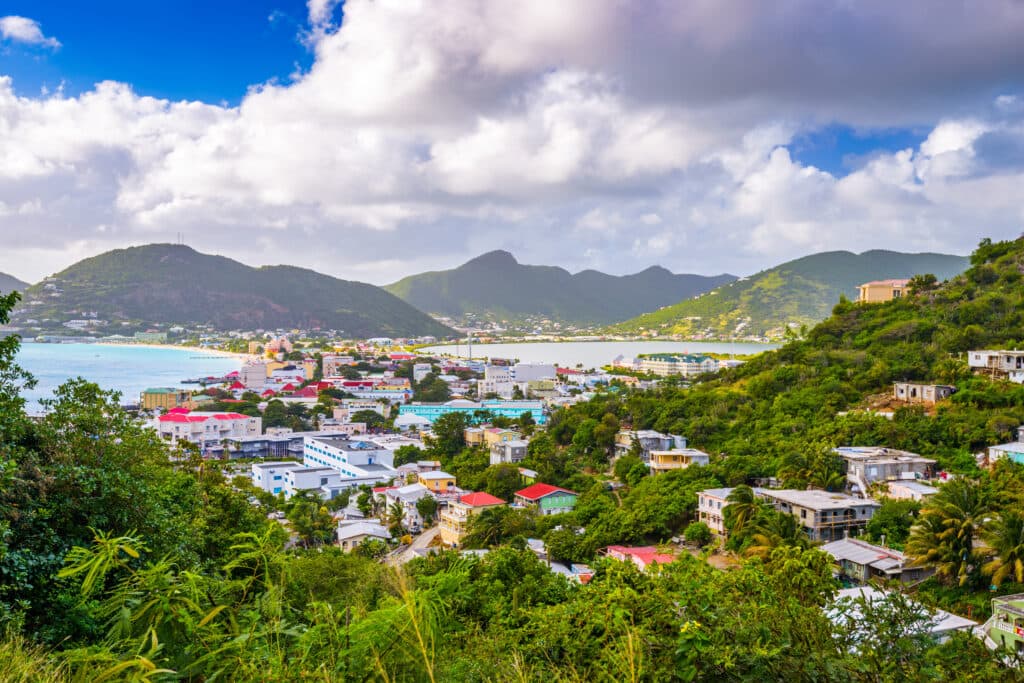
[
  {"x": 175, "y": 285},
  {"x": 497, "y": 286},
  {"x": 9, "y": 283},
  {"x": 799, "y": 292}
]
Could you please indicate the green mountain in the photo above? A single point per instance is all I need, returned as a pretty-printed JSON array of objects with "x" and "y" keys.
[
  {"x": 496, "y": 284},
  {"x": 172, "y": 284},
  {"x": 798, "y": 292},
  {"x": 9, "y": 283}
]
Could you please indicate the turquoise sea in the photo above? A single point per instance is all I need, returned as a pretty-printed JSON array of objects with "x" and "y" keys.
[{"x": 127, "y": 369}]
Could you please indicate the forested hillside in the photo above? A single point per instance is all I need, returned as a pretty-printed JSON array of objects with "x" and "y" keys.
[
  {"x": 800, "y": 292},
  {"x": 171, "y": 284},
  {"x": 498, "y": 286},
  {"x": 117, "y": 563},
  {"x": 9, "y": 283}
]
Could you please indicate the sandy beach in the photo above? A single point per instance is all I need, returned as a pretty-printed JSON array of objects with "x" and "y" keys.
[{"x": 242, "y": 357}]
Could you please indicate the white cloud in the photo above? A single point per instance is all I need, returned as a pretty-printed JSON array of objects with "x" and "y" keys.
[
  {"x": 586, "y": 133},
  {"x": 24, "y": 30}
]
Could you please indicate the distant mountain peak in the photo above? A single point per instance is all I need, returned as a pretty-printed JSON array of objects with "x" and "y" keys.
[{"x": 493, "y": 259}]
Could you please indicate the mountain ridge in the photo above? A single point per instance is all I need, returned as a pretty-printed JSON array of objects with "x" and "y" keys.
[
  {"x": 496, "y": 283},
  {"x": 9, "y": 283},
  {"x": 174, "y": 284},
  {"x": 798, "y": 292}
]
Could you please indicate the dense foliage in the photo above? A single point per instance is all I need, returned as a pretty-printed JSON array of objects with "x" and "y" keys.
[{"x": 801, "y": 292}]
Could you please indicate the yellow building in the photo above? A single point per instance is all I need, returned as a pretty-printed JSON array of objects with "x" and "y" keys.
[
  {"x": 454, "y": 522},
  {"x": 678, "y": 459},
  {"x": 474, "y": 436},
  {"x": 164, "y": 398},
  {"x": 495, "y": 435},
  {"x": 436, "y": 481},
  {"x": 880, "y": 291},
  {"x": 254, "y": 348}
]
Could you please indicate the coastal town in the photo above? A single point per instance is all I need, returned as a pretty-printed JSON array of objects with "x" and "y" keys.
[{"x": 365, "y": 431}]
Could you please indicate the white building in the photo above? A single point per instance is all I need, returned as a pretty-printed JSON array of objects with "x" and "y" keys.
[
  {"x": 1009, "y": 364},
  {"x": 530, "y": 372},
  {"x": 866, "y": 465},
  {"x": 253, "y": 376},
  {"x": 408, "y": 497},
  {"x": 269, "y": 476},
  {"x": 352, "y": 533},
  {"x": 353, "y": 459},
  {"x": 419, "y": 371},
  {"x": 205, "y": 429}
]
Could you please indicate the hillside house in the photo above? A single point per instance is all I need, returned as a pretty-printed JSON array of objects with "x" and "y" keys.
[
  {"x": 928, "y": 394},
  {"x": 454, "y": 521},
  {"x": 824, "y": 516},
  {"x": 862, "y": 562},
  {"x": 547, "y": 499},
  {"x": 643, "y": 556},
  {"x": 648, "y": 440},
  {"x": 866, "y": 465},
  {"x": 679, "y": 459},
  {"x": 1006, "y": 364},
  {"x": 509, "y": 451},
  {"x": 880, "y": 291},
  {"x": 1006, "y": 627}
]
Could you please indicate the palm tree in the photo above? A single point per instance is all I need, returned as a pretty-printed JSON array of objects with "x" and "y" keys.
[
  {"x": 742, "y": 508},
  {"x": 945, "y": 532},
  {"x": 772, "y": 530},
  {"x": 1005, "y": 536},
  {"x": 396, "y": 518}
]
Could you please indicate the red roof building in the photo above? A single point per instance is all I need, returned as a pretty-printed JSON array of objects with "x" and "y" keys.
[
  {"x": 480, "y": 499},
  {"x": 236, "y": 386},
  {"x": 642, "y": 556},
  {"x": 548, "y": 499}
]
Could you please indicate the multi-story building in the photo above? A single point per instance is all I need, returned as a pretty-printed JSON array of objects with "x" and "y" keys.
[
  {"x": 866, "y": 465},
  {"x": 205, "y": 429},
  {"x": 509, "y": 451},
  {"x": 824, "y": 516},
  {"x": 913, "y": 392},
  {"x": 496, "y": 435},
  {"x": 408, "y": 497},
  {"x": 529, "y": 372},
  {"x": 677, "y": 459},
  {"x": 1006, "y": 364},
  {"x": 710, "y": 506},
  {"x": 253, "y": 375},
  {"x": 510, "y": 409},
  {"x": 1006, "y": 626},
  {"x": 353, "y": 459},
  {"x": 454, "y": 521},
  {"x": 269, "y": 476},
  {"x": 648, "y": 440},
  {"x": 547, "y": 499},
  {"x": 677, "y": 364},
  {"x": 163, "y": 398},
  {"x": 420, "y": 371},
  {"x": 880, "y": 291},
  {"x": 333, "y": 364}
]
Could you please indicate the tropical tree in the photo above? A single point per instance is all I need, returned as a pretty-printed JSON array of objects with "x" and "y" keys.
[
  {"x": 743, "y": 507},
  {"x": 396, "y": 518},
  {"x": 310, "y": 518},
  {"x": 772, "y": 530},
  {"x": 1005, "y": 536},
  {"x": 946, "y": 530},
  {"x": 427, "y": 507}
]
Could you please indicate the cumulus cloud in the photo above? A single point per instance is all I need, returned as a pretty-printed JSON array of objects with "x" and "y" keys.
[
  {"x": 24, "y": 30},
  {"x": 588, "y": 133}
]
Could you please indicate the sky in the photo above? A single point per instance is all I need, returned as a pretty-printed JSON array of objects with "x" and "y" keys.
[{"x": 372, "y": 139}]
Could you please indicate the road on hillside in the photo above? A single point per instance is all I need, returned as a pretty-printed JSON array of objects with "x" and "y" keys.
[{"x": 420, "y": 543}]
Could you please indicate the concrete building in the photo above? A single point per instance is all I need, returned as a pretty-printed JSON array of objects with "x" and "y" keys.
[
  {"x": 710, "y": 504},
  {"x": 910, "y": 490},
  {"x": 1006, "y": 626},
  {"x": 205, "y": 429},
  {"x": 1006, "y": 364},
  {"x": 436, "y": 481},
  {"x": 648, "y": 440},
  {"x": 353, "y": 459},
  {"x": 866, "y": 465},
  {"x": 163, "y": 398},
  {"x": 509, "y": 451},
  {"x": 928, "y": 394},
  {"x": 880, "y": 291},
  {"x": 678, "y": 459},
  {"x": 510, "y": 409},
  {"x": 420, "y": 371},
  {"x": 824, "y": 516},
  {"x": 496, "y": 435},
  {"x": 253, "y": 376},
  {"x": 1013, "y": 451},
  {"x": 529, "y": 372},
  {"x": 269, "y": 476},
  {"x": 408, "y": 496},
  {"x": 333, "y": 364},
  {"x": 454, "y": 521},
  {"x": 861, "y": 561},
  {"x": 676, "y": 364},
  {"x": 309, "y": 479}
]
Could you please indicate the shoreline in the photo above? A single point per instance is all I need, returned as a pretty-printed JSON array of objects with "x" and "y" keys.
[{"x": 242, "y": 357}]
